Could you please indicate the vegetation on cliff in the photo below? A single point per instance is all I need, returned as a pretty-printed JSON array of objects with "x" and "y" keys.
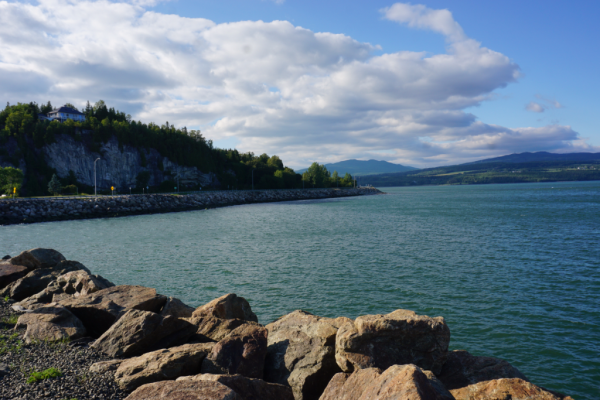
[{"x": 23, "y": 135}]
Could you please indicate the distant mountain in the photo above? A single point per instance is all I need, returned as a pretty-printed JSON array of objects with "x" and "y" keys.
[
  {"x": 540, "y": 156},
  {"x": 360, "y": 168}
]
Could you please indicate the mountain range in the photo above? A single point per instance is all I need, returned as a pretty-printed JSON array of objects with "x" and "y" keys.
[{"x": 361, "y": 167}]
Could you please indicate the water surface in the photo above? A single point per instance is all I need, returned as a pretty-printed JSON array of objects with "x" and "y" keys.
[{"x": 514, "y": 269}]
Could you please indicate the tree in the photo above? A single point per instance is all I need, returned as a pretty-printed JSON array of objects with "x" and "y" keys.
[
  {"x": 317, "y": 174},
  {"x": 10, "y": 178},
  {"x": 275, "y": 162},
  {"x": 54, "y": 186},
  {"x": 334, "y": 178},
  {"x": 142, "y": 179}
]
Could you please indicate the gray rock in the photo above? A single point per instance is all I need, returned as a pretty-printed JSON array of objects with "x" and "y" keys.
[
  {"x": 160, "y": 365},
  {"x": 4, "y": 370},
  {"x": 99, "y": 310},
  {"x": 247, "y": 388},
  {"x": 401, "y": 337},
  {"x": 138, "y": 332},
  {"x": 301, "y": 354},
  {"x": 176, "y": 308},
  {"x": 183, "y": 390},
  {"x": 51, "y": 323},
  {"x": 10, "y": 273},
  {"x": 229, "y": 306},
  {"x": 104, "y": 366},
  {"x": 38, "y": 258},
  {"x": 463, "y": 369},
  {"x": 242, "y": 352},
  {"x": 213, "y": 328}
]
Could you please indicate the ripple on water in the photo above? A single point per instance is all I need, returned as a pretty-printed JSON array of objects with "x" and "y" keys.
[{"x": 514, "y": 269}]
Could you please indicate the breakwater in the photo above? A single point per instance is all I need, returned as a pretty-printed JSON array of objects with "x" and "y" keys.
[{"x": 59, "y": 209}]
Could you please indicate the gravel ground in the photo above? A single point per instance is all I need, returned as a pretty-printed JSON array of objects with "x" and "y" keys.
[{"x": 72, "y": 359}]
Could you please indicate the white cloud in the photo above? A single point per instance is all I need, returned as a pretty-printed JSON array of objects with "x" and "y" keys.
[
  {"x": 550, "y": 101},
  {"x": 535, "y": 107},
  {"x": 270, "y": 87}
]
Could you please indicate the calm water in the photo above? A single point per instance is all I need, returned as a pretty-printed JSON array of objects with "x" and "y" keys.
[{"x": 514, "y": 269}]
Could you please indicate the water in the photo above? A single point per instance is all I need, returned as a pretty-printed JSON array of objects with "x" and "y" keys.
[{"x": 514, "y": 269}]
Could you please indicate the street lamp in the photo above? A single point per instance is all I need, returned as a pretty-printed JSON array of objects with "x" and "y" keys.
[{"x": 95, "y": 194}]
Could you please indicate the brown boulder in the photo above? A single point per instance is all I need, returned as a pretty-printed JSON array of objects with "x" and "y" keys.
[
  {"x": 183, "y": 390},
  {"x": 160, "y": 365},
  {"x": 38, "y": 279},
  {"x": 10, "y": 273},
  {"x": 401, "y": 337},
  {"x": 301, "y": 354},
  {"x": 242, "y": 352},
  {"x": 70, "y": 284},
  {"x": 229, "y": 306},
  {"x": 406, "y": 382},
  {"x": 51, "y": 323},
  {"x": 176, "y": 308},
  {"x": 138, "y": 332},
  {"x": 463, "y": 369},
  {"x": 38, "y": 258},
  {"x": 99, "y": 310},
  {"x": 213, "y": 328},
  {"x": 505, "y": 389},
  {"x": 247, "y": 388}
]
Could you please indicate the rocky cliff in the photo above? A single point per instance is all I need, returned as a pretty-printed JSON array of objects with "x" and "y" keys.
[{"x": 118, "y": 166}]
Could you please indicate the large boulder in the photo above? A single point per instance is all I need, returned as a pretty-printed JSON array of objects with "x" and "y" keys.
[
  {"x": 401, "y": 337},
  {"x": 463, "y": 369},
  {"x": 160, "y": 365},
  {"x": 70, "y": 284},
  {"x": 38, "y": 258},
  {"x": 213, "y": 328},
  {"x": 51, "y": 323},
  {"x": 38, "y": 279},
  {"x": 506, "y": 389},
  {"x": 407, "y": 382},
  {"x": 99, "y": 310},
  {"x": 242, "y": 352},
  {"x": 229, "y": 306},
  {"x": 301, "y": 354},
  {"x": 183, "y": 390},
  {"x": 138, "y": 332},
  {"x": 176, "y": 308},
  {"x": 10, "y": 273},
  {"x": 101, "y": 367},
  {"x": 247, "y": 388}
]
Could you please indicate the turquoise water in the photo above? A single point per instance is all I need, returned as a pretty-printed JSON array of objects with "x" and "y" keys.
[{"x": 514, "y": 269}]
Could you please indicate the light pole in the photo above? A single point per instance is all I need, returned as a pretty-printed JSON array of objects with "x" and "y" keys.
[
  {"x": 252, "y": 178},
  {"x": 130, "y": 190},
  {"x": 95, "y": 194}
]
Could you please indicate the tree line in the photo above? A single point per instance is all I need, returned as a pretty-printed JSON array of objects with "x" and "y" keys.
[{"x": 234, "y": 170}]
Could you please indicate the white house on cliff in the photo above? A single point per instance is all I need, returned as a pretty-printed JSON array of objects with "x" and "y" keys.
[{"x": 64, "y": 113}]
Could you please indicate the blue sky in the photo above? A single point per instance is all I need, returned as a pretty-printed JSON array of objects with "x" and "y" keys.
[{"x": 424, "y": 83}]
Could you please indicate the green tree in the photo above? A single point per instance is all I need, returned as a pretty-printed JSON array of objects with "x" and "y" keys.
[
  {"x": 54, "y": 186},
  {"x": 334, "y": 178},
  {"x": 317, "y": 175},
  {"x": 10, "y": 178}
]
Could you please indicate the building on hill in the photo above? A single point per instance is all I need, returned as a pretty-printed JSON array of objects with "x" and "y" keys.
[{"x": 64, "y": 113}]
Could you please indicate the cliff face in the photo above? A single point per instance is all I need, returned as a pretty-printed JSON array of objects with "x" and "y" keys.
[{"x": 116, "y": 167}]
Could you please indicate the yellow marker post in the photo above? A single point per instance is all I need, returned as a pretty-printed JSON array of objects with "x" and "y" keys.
[
  {"x": 112, "y": 188},
  {"x": 14, "y": 192}
]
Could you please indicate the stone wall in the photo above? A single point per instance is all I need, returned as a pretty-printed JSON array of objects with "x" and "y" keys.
[{"x": 56, "y": 209}]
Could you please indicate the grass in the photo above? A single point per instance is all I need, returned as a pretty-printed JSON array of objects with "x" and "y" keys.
[
  {"x": 7, "y": 298},
  {"x": 9, "y": 343},
  {"x": 12, "y": 320},
  {"x": 46, "y": 374}
]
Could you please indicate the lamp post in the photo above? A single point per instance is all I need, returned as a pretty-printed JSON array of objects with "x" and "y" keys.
[
  {"x": 252, "y": 178},
  {"x": 95, "y": 193}
]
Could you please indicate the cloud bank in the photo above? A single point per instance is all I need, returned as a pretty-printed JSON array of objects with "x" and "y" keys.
[{"x": 272, "y": 87}]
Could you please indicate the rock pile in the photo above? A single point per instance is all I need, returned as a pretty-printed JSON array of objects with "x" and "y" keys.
[
  {"x": 39, "y": 210},
  {"x": 162, "y": 349}
]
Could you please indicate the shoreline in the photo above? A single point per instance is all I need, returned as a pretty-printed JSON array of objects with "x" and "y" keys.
[{"x": 27, "y": 211}]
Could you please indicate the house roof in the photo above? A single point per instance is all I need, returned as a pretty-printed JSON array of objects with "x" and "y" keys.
[{"x": 67, "y": 110}]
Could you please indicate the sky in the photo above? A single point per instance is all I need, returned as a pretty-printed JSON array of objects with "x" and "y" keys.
[{"x": 423, "y": 84}]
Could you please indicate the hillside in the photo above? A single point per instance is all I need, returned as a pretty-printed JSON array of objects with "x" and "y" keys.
[
  {"x": 132, "y": 155},
  {"x": 491, "y": 172},
  {"x": 541, "y": 156},
  {"x": 361, "y": 168}
]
